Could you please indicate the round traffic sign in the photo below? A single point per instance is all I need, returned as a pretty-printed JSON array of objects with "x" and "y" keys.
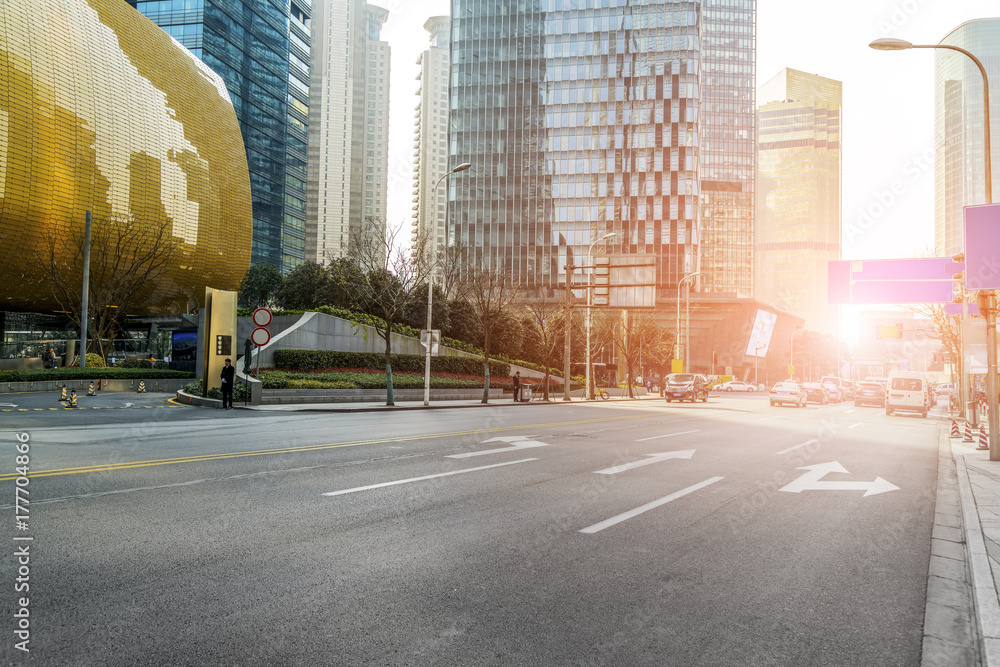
[
  {"x": 260, "y": 336},
  {"x": 262, "y": 317}
]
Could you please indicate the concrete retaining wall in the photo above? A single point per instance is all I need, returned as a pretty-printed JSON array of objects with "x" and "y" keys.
[
  {"x": 81, "y": 386},
  {"x": 296, "y": 396}
]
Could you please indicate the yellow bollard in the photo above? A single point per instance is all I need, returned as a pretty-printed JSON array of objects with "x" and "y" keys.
[
  {"x": 62, "y": 394},
  {"x": 142, "y": 387},
  {"x": 72, "y": 398},
  {"x": 90, "y": 392}
]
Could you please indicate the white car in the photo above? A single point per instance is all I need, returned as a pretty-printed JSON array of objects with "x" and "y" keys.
[{"x": 735, "y": 385}]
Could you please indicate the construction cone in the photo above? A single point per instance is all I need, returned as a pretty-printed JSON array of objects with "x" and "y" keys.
[
  {"x": 90, "y": 392},
  {"x": 968, "y": 432},
  {"x": 142, "y": 387},
  {"x": 983, "y": 442},
  {"x": 62, "y": 394},
  {"x": 72, "y": 398},
  {"x": 955, "y": 433}
]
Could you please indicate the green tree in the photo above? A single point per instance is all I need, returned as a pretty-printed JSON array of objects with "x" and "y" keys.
[
  {"x": 260, "y": 285},
  {"x": 490, "y": 293},
  {"x": 304, "y": 288},
  {"x": 462, "y": 323},
  {"x": 546, "y": 325},
  {"x": 344, "y": 279},
  {"x": 416, "y": 310}
]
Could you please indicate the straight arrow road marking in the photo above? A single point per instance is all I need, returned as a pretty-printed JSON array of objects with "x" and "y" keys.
[
  {"x": 810, "y": 481},
  {"x": 420, "y": 479},
  {"x": 517, "y": 442},
  {"x": 668, "y": 435},
  {"x": 792, "y": 449},
  {"x": 653, "y": 458},
  {"x": 607, "y": 523}
]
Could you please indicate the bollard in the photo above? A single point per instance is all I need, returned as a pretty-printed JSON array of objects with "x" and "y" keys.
[
  {"x": 62, "y": 394},
  {"x": 955, "y": 433},
  {"x": 142, "y": 387},
  {"x": 968, "y": 432},
  {"x": 984, "y": 442},
  {"x": 90, "y": 391},
  {"x": 72, "y": 398}
]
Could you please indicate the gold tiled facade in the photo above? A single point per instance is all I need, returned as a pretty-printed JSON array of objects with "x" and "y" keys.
[{"x": 101, "y": 110}]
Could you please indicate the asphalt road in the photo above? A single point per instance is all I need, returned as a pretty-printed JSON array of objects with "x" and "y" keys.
[{"x": 512, "y": 535}]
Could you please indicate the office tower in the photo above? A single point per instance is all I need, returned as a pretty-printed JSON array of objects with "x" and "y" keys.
[
  {"x": 250, "y": 44},
  {"x": 798, "y": 195},
  {"x": 959, "y": 176},
  {"x": 584, "y": 121},
  {"x": 348, "y": 141},
  {"x": 431, "y": 137},
  {"x": 728, "y": 145}
]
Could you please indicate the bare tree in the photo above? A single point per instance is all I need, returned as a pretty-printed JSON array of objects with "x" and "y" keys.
[
  {"x": 490, "y": 293},
  {"x": 128, "y": 256},
  {"x": 602, "y": 333},
  {"x": 547, "y": 318},
  {"x": 389, "y": 276}
]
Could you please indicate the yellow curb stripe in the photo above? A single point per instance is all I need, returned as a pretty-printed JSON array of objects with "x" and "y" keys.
[{"x": 304, "y": 448}]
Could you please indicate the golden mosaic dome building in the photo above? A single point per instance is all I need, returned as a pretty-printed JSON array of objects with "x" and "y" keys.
[{"x": 101, "y": 110}]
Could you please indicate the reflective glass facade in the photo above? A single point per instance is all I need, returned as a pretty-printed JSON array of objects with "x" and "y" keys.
[
  {"x": 248, "y": 43},
  {"x": 101, "y": 110},
  {"x": 582, "y": 117},
  {"x": 959, "y": 174},
  {"x": 798, "y": 221}
]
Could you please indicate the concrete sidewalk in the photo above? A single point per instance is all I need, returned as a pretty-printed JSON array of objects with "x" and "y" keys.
[{"x": 979, "y": 493}]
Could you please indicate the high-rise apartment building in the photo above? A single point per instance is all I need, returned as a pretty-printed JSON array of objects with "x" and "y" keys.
[
  {"x": 798, "y": 226},
  {"x": 959, "y": 178},
  {"x": 431, "y": 137},
  {"x": 261, "y": 51},
  {"x": 349, "y": 131},
  {"x": 585, "y": 117}
]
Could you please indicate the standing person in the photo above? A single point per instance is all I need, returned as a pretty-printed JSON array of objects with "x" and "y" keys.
[
  {"x": 517, "y": 386},
  {"x": 49, "y": 358},
  {"x": 228, "y": 378}
]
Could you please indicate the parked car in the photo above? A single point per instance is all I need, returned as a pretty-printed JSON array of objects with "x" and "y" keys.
[
  {"x": 908, "y": 392},
  {"x": 946, "y": 389},
  {"x": 869, "y": 393},
  {"x": 816, "y": 393},
  {"x": 788, "y": 392},
  {"x": 736, "y": 385},
  {"x": 686, "y": 387},
  {"x": 849, "y": 389}
]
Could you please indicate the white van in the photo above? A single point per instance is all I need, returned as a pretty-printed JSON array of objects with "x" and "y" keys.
[{"x": 907, "y": 391}]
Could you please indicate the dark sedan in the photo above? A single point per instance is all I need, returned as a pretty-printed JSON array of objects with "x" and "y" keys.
[
  {"x": 816, "y": 393},
  {"x": 869, "y": 393}
]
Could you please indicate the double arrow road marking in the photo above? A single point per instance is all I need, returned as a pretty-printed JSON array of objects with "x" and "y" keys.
[{"x": 811, "y": 481}]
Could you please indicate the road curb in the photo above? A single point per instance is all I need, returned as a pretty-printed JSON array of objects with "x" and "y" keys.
[
  {"x": 393, "y": 408},
  {"x": 984, "y": 591}
]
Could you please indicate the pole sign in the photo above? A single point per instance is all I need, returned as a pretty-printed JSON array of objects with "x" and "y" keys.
[
  {"x": 261, "y": 336},
  {"x": 982, "y": 247}
]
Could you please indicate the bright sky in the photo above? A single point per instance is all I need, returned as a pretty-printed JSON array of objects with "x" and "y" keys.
[{"x": 888, "y": 105}]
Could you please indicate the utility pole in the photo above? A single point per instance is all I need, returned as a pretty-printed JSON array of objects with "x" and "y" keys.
[
  {"x": 569, "y": 325},
  {"x": 84, "y": 316}
]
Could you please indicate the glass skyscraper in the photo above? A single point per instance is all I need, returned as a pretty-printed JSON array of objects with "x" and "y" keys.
[
  {"x": 260, "y": 48},
  {"x": 959, "y": 175},
  {"x": 582, "y": 117},
  {"x": 798, "y": 221}
]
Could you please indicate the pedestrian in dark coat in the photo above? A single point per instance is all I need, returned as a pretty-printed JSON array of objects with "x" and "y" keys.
[{"x": 228, "y": 379}]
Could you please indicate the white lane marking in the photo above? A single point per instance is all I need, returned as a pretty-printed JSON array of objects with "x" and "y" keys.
[
  {"x": 849, "y": 412},
  {"x": 792, "y": 449},
  {"x": 607, "y": 523},
  {"x": 854, "y": 425},
  {"x": 810, "y": 481},
  {"x": 668, "y": 435},
  {"x": 420, "y": 479},
  {"x": 519, "y": 442},
  {"x": 654, "y": 458}
]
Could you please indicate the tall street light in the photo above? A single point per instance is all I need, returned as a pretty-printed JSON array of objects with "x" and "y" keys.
[
  {"x": 987, "y": 297},
  {"x": 430, "y": 295},
  {"x": 756, "y": 356},
  {"x": 590, "y": 289},
  {"x": 677, "y": 336}
]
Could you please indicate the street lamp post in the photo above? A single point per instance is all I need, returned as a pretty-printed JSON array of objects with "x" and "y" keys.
[
  {"x": 755, "y": 357},
  {"x": 590, "y": 290},
  {"x": 430, "y": 297},
  {"x": 892, "y": 44},
  {"x": 677, "y": 335}
]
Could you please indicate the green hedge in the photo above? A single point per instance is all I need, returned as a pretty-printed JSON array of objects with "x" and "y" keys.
[
  {"x": 308, "y": 360},
  {"x": 337, "y": 380},
  {"x": 57, "y": 374}
]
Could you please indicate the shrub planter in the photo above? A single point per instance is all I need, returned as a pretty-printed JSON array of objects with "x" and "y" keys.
[{"x": 299, "y": 396}]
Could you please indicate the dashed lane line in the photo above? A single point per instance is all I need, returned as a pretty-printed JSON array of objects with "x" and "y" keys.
[{"x": 625, "y": 516}]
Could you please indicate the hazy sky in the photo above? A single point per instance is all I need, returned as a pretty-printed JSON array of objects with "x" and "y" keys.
[{"x": 888, "y": 102}]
